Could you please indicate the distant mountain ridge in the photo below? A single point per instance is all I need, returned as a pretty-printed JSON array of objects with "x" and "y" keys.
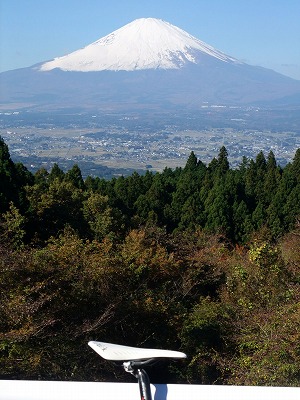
[
  {"x": 146, "y": 43},
  {"x": 147, "y": 64}
]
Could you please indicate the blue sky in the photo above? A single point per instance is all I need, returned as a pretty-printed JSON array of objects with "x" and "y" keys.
[{"x": 259, "y": 32}]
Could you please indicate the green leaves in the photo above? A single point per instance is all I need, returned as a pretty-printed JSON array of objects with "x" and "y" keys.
[
  {"x": 13, "y": 227},
  {"x": 197, "y": 258},
  {"x": 234, "y": 311}
]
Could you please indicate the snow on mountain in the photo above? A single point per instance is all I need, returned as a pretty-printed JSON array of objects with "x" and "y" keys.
[
  {"x": 146, "y": 43},
  {"x": 159, "y": 66}
]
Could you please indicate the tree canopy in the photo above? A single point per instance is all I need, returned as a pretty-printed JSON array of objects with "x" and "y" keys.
[{"x": 202, "y": 259}]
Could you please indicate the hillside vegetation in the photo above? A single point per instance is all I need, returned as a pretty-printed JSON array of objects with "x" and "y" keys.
[{"x": 203, "y": 259}]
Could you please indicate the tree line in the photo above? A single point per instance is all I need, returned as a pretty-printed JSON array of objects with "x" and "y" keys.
[{"x": 203, "y": 259}]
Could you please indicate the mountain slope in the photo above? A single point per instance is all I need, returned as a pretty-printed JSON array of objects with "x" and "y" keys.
[
  {"x": 146, "y": 43},
  {"x": 144, "y": 65}
]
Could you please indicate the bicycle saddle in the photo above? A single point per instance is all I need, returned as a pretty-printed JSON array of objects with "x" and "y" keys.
[{"x": 116, "y": 352}]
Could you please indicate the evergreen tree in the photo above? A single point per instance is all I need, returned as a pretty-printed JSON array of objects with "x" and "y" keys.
[
  {"x": 192, "y": 213},
  {"x": 259, "y": 216},
  {"x": 272, "y": 179},
  {"x": 191, "y": 163},
  {"x": 186, "y": 196},
  {"x": 295, "y": 167},
  {"x": 250, "y": 181},
  {"x": 7, "y": 189},
  {"x": 223, "y": 163},
  {"x": 41, "y": 178},
  {"x": 13, "y": 179},
  {"x": 242, "y": 225},
  {"x": 56, "y": 173},
  {"x": 292, "y": 207},
  {"x": 218, "y": 211},
  {"x": 74, "y": 176},
  {"x": 261, "y": 169}
]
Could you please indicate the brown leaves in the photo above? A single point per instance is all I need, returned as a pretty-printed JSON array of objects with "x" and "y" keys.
[{"x": 235, "y": 311}]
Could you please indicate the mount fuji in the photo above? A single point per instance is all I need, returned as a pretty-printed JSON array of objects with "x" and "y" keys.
[
  {"x": 145, "y": 43},
  {"x": 148, "y": 63}
]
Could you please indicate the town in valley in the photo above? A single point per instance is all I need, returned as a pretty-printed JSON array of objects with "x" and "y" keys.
[{"x": 107, "y": 144}]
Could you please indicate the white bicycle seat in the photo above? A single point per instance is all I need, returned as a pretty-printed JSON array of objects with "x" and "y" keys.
[{"x": 116, "y": 352}]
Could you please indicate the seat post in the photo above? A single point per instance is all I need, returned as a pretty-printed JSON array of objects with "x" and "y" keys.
[
  {"x": 142, "y": 377},
  {"x": 144, "y": 384}
]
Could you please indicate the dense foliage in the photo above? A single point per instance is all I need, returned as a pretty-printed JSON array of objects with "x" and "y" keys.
[{"x": 203, "y": 259}]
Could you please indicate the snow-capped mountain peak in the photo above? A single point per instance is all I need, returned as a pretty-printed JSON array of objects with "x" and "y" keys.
[{"x": 145, "y": 43}]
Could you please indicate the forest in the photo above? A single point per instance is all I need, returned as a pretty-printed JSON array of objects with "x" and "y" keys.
[{"x": 202, "y": 259}]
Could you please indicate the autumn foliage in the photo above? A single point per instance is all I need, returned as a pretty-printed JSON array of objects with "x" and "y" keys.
[{"x": 202, "y": 259}]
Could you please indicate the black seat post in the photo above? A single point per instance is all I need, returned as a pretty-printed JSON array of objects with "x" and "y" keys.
[
  {"x": 141, "y": 375},
  {"x": 144, "y": 384}
]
